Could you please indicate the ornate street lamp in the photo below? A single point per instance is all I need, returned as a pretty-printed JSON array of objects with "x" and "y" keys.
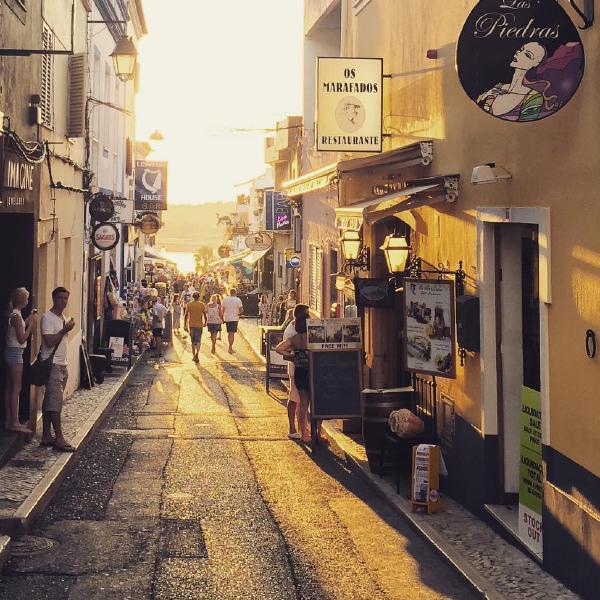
[
  {"x": 124, "y": 59},
  {"x": 396, "y": 250},
  {"x": 356, "y": 255}
]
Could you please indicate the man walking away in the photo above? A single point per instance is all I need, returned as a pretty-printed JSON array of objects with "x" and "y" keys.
[
  {"x": 55, "y": 329},
  {"x": 159, "y": 312},
  {"x": 232, "y": 311},
  {"x": 195, "y": 320}
]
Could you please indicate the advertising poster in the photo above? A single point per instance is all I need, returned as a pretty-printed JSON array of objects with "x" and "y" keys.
[
  {"x": 429, "y": 326},
  {"x": 520, "y": 60},
  {"x": 334, "y": 334},
  {"x": 349, "y": 104},
  {"x": 150, "y": 185},
  {"x": 530, "y": 471}
]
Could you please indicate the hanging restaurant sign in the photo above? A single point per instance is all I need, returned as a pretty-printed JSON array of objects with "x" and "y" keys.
[
  {"x": 101, "y": 208},
  {"x": 520, "y": 60},
  {"x": 429, "y": 326},
  {"x": 19, "y": 180},
  {"x": 150, "y": 185},
  {"x": 349, "y": 104},
  {"x": 105, "y": 236},
  {"x": 124, "y": 211},
  {"x": 260, "y": 240},
  {"x": 278, "y": 211},
  {"x": 149, "y": 223}
]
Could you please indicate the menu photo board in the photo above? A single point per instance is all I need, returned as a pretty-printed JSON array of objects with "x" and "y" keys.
[
  {"x": 430, "y": 327},
  {"x": 334, "y": 334}
]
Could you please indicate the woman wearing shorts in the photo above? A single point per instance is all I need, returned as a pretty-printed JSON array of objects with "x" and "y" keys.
[
  {"x": 295, "y": 349},
  {"x": 214, "y": 319},
  {"x": 17, "y": 334}
]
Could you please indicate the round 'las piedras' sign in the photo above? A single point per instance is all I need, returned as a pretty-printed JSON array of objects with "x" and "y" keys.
[
  {"x": 105, "y": 236},
  {"x": 520, "y": 60},
  {"x": 260, "y": 240}
]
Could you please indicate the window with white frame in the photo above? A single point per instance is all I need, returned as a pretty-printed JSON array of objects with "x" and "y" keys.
[
  {"x": 315, "y": 276},
  {"x": 47, "y": 91}
]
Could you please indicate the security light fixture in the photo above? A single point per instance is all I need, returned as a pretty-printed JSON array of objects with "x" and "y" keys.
[
  {"x": 396, "y": 250},
  {"x": 489, "y": 173},
  {"x": 356, "y": 255},
  {"x": 124, "y": 59}
]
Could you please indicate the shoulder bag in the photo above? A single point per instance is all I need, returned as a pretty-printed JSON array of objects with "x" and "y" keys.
[{"x": 39, "y": 372}]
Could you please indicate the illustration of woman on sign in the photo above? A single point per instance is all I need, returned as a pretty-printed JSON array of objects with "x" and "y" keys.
[{"x": 540, "y": 86}]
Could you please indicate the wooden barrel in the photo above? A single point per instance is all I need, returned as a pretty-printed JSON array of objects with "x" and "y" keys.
[{"x": 376, "y": 408}]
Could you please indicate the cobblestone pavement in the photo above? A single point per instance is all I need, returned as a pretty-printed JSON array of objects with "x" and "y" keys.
[
  {"x": 191, "y": 489},
  {"x": 20, "y": 476}
]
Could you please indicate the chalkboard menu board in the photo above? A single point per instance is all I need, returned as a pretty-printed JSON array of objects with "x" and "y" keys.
[{"x": 335, "y": 381}]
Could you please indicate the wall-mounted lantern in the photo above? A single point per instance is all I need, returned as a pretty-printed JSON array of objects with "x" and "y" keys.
[
  {"x": 356, "y": 255},
  {"x": 124, "y": 59},
  {"x": 396, "y": 250}
]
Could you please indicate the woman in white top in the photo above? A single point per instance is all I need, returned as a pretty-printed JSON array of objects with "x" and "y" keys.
[
  {"x": 17, "y": 334},
  {"x": 214, "y": 319},
  {"x": 264, "y": 310}
]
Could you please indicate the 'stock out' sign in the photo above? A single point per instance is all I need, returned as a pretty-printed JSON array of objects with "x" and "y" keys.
[{"x": 520, "y": 60}]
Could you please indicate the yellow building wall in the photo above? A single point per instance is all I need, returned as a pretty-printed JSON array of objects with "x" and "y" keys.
[{"x": 554, "y": 163}]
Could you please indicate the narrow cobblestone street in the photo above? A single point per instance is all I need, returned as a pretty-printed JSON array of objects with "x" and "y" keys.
[{"x": 191, "y": 489}]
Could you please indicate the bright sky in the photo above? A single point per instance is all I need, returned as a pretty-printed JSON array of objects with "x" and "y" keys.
[{"x": 210, "y": 66}]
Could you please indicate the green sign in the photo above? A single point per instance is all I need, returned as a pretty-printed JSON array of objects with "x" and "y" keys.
[{"x": 530, "y": 470}]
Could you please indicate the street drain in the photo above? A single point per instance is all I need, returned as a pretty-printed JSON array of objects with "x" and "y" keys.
[{"x": 31, "y": 545}]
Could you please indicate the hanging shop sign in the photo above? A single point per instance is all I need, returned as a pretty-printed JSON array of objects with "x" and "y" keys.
[
  {"x": 278, "y": 211},
  {"x": 124, "y": 211},
  {"x": 349, "y": 104},
  {"x": 149, "y": 223},
  {"x": 429, "y": 326},
  {"x": 531, "y": 483},
  {"x": 101, "y": 208},
  {"x": 520, "y": 60},
  {"x": 20, "y": 182},
  {"x": 260, "y": 240},
  {"x": 151, "y": 185},
  {"x": 105, "y": 236},
  {"x": 334, "y": 334}
]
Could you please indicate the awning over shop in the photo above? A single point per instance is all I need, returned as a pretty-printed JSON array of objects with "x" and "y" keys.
[
  {"x": 231, "y": 260},
  {"x": 254, "y": 256},
  {"x": 315, "y": 180},
  {"x": 379, "y": 207}
]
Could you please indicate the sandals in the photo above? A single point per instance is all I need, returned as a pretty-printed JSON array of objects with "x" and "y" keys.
[{"x": 65, "y": 448}]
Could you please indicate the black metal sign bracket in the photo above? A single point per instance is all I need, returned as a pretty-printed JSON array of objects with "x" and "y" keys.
[{"x": 587, "y": 13}]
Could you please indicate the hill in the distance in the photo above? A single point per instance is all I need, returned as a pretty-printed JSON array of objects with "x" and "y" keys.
[{"x": 189, "y": 226}]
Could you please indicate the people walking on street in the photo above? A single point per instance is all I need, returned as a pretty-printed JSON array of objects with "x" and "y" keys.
[
  {"x": 295, "y": 349},
  {"x": 159, "y": 312},
  {"x": 55, "y": 328},
  {"x": 176, "y": 312},
  {"x": 280, "y": 310},
  {"x": 264, "y": 310},
  {"x": 214, "y": 320},
  {"x": 232, "y": 311},
  {"x": 17, "y": 334},
  {"x": 195, "y": 320},
  {"x": 220, "y": 303}
]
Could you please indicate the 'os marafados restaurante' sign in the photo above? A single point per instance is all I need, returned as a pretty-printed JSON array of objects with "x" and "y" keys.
[
  {"x": 520, "y": 60},
  {"x": 349, "y": 104}
]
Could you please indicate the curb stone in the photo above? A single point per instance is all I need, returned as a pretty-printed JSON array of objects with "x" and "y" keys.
[{"x": 4, "y": 551}]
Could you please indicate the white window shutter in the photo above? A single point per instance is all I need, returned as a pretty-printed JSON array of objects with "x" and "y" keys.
[
  {"x": 77, "y": 96},
  {"x": 47, "y": 103}
]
